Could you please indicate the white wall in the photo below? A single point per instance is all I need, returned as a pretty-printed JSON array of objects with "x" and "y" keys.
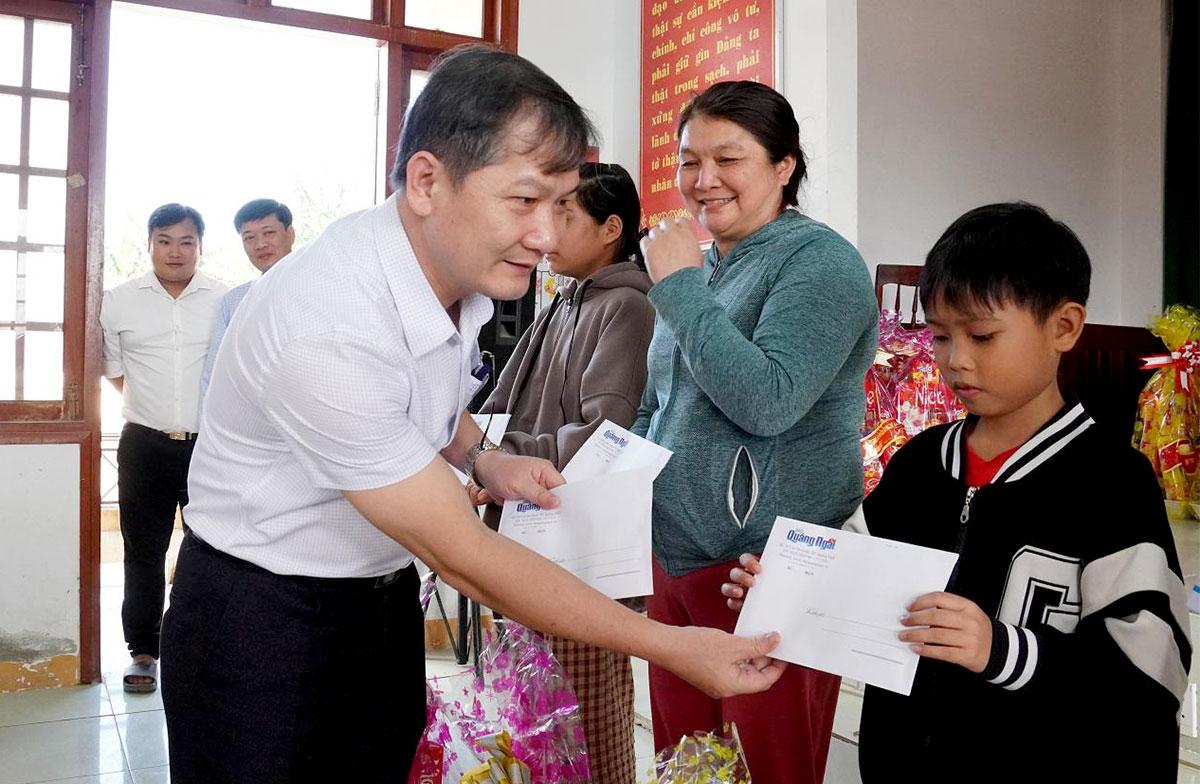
[
  {"x": 39, "y": 551},
  {"x": 966, "y": 102},
  {"x": 913, "y": 111},
  {"x": 819, "y": 78},
  {"x": 592, "y": 49},
  {"x": 597, "y": 61},
  {"x": 1141, "y": 89}
]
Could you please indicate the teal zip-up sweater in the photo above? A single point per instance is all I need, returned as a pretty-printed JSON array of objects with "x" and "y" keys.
[{"x": 756, "y": 384}]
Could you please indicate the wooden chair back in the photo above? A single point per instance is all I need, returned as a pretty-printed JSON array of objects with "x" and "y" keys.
[
  {"x": 1104, "y": 371},
  {"x": 903, "y": 279}
]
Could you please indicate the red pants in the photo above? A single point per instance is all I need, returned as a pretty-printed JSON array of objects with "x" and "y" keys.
[{"x": 785, "y": 731}]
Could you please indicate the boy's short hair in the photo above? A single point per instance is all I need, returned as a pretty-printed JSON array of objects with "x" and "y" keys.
[
  {"x": 170, "y": 214},
  {"x": 1010, "y": 253},
  {"x": 261, "y": 208}
]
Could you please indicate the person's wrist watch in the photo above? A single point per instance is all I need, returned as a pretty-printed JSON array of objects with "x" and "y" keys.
[{"x": 473, "y": 454}]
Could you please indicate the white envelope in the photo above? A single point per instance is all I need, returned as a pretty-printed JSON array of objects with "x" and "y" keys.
[
  {"x": 836, "y": 597},
  {"x": 600, "y": 532},
  {"x": 612, "y": 448}
]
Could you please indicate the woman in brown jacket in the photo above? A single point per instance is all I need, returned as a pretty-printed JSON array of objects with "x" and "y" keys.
[{"x": 583, "y": 361}]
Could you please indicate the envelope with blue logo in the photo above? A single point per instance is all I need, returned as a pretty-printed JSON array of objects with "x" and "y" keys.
[
  {"x": 601, "y": 530},
  {"x": 836, "y": 598}
]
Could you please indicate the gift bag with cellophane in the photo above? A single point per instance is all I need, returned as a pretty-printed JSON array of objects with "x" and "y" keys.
[
  {"x": 905, "y": 395},
  {"x": 1168, "y": 424},
  {"x": 702, "y": 758},
  {"x": 519, "y": 722}
]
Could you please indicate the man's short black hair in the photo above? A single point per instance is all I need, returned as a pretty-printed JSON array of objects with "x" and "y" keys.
[
  {"x": 170, "y": 214},
  {"x": 463, "y": 114},
  {"x": 1011, "y": 253},
  {"x": 259, "y": 209}
]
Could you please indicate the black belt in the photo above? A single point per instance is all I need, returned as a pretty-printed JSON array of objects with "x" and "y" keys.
[
  {"x": 170, "y": 435},
  {"x": 334, "y": 583}
]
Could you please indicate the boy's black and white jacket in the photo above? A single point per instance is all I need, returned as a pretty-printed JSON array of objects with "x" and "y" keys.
[{"x": 1070, "y": 552}]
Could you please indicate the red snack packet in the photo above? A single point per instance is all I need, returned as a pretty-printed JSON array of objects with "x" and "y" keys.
[
  {"x": 427, "y": 764},
  {"x": 878, "y": 447},
  {"x": 881, "y": 401},
  {"x": 922, "y": 399}
]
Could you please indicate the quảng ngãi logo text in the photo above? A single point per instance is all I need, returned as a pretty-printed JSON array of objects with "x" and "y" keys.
[
  {"x": 616, "y": 439},
  {"x": 819, "y": 542}
]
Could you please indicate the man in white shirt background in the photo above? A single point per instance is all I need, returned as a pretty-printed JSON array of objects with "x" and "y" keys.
[
  {"x": 156, "y": 333},
  {"x": 265, "y": 226},
  {"x": 293, "y": 648}
]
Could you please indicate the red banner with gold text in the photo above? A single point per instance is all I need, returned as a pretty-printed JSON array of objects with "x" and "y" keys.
[{"x": 686, "y": 46}]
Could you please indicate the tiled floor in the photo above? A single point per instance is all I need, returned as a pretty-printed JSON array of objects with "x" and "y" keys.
[{"x": 100, "y": 735}]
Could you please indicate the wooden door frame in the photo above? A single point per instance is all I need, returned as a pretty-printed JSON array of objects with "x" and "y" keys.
[
  {"x": 61, "y": 423},
  {"x": 408, "y": 48}
]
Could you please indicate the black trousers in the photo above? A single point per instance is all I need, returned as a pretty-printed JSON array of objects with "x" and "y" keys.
[
  {"x": 272, "y": 679},
  {"x": 152, "y": 475}
]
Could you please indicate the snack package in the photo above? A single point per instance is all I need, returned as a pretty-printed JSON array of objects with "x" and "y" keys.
[
  {"x": 1168, "y": 425},
  {"x": 501, "y": 766},
  {"x": 904, "y": 383},
  {"x": 429, "y": 764},
  {"x": 702, "y": 758},
  {"x": 894, "y": 337},
  {"x": 922, "y": 399},
  {"x": 881, "y": 400},
  {"x": 905, "y": 394},
  {"x": 519, "y": 722},
  {"x": 878, "y": 446}
]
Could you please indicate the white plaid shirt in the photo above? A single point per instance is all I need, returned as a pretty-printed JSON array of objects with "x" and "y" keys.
[
  {"x": 159, "y": 344},
  {"x": 340, "y": 371}
]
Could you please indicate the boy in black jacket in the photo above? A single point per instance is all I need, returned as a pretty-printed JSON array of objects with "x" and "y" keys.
[{"x": 1060, "y": 647}]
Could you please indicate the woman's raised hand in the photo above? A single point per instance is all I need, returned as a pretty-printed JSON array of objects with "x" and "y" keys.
[{"x": 671, "y": 246}]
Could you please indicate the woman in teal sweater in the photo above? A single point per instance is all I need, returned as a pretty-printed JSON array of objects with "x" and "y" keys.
[{"x": 756, "y": 384}]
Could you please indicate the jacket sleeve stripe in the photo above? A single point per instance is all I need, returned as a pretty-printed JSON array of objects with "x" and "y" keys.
[
  {"x": 1031, "y": 660},
  {"x": 1142, "y": 567},
  {"x": 1010, "y": 660},
  {"x": 1149, "y": 643}
]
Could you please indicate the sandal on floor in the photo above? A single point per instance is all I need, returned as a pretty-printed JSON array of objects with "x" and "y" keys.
[{"x": 141, "y": 670}]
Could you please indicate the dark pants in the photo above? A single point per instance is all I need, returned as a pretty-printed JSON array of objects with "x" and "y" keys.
[
  {"x": 272, "y": 679},
  {"x": 152, "y": 480}
]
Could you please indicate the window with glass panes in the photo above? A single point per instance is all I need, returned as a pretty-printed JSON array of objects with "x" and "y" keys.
[{"x": 36, "y": 71}]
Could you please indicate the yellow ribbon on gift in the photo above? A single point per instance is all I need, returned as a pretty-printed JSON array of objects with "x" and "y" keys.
[{"x": 501, "y": 767}]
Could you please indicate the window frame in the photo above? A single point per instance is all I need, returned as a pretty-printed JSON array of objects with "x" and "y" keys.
[
  {"x": 386, "y": 23},
  {"x": 70, "y": 405},
  {"x": 76, "y": 419}
]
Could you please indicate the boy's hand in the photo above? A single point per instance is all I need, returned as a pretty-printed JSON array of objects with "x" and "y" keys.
[
  {"x": 959, "y": 632},
  {"x": 742, "y": 580}
]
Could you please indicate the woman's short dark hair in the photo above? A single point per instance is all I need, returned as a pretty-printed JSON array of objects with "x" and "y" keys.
[
  {"x": 607, "y": 189},
  {"x": 1010, "y": 253},
  {"x": 170, "y": 214},
  {"x": 474, "y": 93},
  {"x": 763, "y": 112},
  {"x": 258, "y": 209}
]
